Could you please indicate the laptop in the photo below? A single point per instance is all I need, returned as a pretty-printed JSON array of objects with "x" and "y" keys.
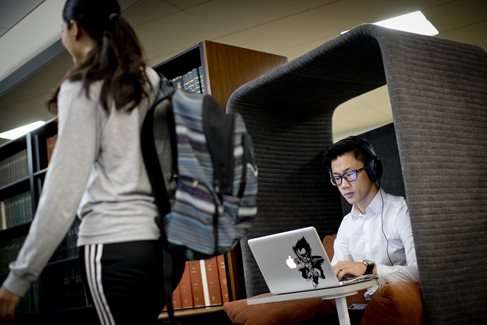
[{"x": 296, "y": 260}]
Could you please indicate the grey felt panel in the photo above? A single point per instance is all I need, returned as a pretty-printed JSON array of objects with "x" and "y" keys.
[{"x": 438, "y": 91}]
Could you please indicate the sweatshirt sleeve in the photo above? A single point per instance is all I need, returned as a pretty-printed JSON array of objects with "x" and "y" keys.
[{"x": 73, "y": 157}]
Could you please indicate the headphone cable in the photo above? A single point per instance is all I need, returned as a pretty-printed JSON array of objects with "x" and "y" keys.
[{"x": 382, "y": 225}]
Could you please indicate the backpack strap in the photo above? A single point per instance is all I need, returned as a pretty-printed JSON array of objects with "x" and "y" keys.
[
  {"x": 150, "y": 152},
  {"x": 156, "y": 179}
]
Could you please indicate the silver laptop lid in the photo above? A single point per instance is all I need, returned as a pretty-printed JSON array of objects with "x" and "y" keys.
[{"x": 293, "y": 261}]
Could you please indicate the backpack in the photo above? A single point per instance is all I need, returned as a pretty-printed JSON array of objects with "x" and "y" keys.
[{"x": 201, "y": 167}]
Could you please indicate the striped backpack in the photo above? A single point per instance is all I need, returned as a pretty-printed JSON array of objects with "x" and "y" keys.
[{"x": 206, "y": 189}]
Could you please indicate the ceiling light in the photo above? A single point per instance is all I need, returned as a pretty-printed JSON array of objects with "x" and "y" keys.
[
  {"x": 413, "y": 22},
  {"x": 20, "y": 131}
]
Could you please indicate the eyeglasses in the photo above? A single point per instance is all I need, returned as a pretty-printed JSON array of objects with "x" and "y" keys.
[{"x": 349, "y": 176}]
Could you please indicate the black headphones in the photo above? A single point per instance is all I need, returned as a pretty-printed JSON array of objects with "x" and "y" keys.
[{"x": 373, "y": 164}]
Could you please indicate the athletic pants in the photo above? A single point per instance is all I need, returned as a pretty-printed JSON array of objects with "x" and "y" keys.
[{"x": 124, "y": 281}]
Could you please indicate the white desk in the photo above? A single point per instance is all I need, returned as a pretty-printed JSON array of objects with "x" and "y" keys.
[{"x": 337, "y": 293}]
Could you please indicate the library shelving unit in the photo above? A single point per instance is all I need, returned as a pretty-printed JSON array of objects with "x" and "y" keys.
[
  {"x": 208, "y": 67},
  {"x": 23, "y": 166}
]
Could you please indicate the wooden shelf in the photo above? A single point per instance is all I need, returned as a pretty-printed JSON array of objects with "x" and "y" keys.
[{"x": 192, "y": 312}]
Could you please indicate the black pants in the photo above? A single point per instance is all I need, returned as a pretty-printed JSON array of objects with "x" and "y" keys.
[{"x": 124, "y": 281}]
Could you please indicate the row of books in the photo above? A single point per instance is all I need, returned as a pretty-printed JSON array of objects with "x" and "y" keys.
[
  {"x": 193, "y": 81},
  {"x": 16, "y": 210},
  {"x": 203, "y": 284},
  {"x": 13, "y": 168},
  {"x": 8, "y": 252}
]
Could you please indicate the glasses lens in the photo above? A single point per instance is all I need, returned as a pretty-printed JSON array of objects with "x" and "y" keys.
[
  {"x": 350, "y": 176},
  {"x": 336, "y": 180}
]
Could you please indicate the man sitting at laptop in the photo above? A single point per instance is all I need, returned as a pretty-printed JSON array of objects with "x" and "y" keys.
[{"x": 376, "y": 236}]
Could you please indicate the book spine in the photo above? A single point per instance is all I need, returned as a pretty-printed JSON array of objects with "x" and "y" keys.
[
  {"x": 3, "y": 222},
  {"x": 213, "y": 281},
  {"x": 185, "y": 288},
  {"x": 176, "y": 299},
  {"x": 204, "y": 281},
  {"x": 202, "y": 83},
  {"x": 196, "y": 284},
  {"x": 222, "y": 272}
]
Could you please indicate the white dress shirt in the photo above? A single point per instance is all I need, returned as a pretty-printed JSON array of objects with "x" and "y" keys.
[{"x": 383, "y": 235}]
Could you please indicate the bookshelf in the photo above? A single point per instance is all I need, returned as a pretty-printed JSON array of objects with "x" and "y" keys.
[
  {"x": 217, "y": 69},
  {"x": 23, "y": 166},
  {"x": 208, "y": 67}
]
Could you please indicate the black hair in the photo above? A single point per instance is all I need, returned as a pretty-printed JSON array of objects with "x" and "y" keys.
[
  {"x": 362, "y": 151},
  {"x": 117, "y": 59}
]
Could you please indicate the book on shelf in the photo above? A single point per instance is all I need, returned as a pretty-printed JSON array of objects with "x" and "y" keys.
[
  {"x": 186, "y": 289},
  {"x": 201, "y": 79},
  {"x": 213, "y": 282},
  {"x": 222, "y": 272},
  {"x": 196, "y": 283},
  {"x": 3, "y": 221},
  {"x": 176, "y": 298},
  {"x": 206, "y": 294}
]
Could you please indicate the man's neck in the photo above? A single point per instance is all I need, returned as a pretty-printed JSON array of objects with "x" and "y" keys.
[{"x": 363, "y": 204}]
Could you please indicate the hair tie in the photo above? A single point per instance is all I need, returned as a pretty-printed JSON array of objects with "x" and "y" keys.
[{"x": 112, "y": 16}]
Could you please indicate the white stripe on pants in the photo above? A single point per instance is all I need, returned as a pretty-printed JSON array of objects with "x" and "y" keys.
[{"x": 93, "y": 255}]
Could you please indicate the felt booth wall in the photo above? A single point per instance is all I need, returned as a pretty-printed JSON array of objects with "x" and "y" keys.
[{"x": 438, "y": 94}]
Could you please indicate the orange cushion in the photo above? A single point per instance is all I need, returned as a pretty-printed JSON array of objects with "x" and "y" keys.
[
  {"x": 395, "y": 303},
  {"x": 292, "y": 312},
  {"x": 328, "y": 244}
]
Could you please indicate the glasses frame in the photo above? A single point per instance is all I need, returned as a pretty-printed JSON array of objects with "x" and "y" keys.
[{"x": 346, "y": 176}]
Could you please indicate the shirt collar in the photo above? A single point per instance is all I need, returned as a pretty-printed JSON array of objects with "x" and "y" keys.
[{"x": 373, "y": 209}]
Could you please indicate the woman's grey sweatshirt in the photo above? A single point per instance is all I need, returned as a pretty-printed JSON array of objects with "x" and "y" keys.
[{"x": 96, "y": 172}]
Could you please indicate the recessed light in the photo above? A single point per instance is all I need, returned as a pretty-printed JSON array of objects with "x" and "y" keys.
[
  {"x": 413, "y": 22},
  {"x": 20, "y": 131}
]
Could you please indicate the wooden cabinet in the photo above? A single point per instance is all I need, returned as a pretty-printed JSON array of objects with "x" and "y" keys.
[{"x": 224, "y": 67}]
